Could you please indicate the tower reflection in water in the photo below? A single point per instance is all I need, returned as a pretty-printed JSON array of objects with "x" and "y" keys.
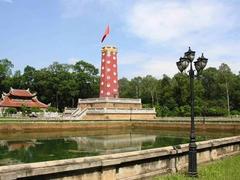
[
  {"x": 45, "y": 146},
  {"x": 113, "y": 143},
  {"x": 35, "y": 150}
]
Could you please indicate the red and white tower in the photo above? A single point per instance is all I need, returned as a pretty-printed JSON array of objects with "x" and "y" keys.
[{"x": 109, "y": 73}]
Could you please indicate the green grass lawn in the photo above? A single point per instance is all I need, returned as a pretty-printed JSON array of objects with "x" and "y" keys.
[{"x": 226, "y": 169}]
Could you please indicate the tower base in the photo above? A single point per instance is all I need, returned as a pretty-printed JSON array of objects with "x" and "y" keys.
[{"x": 112, "y": 109}]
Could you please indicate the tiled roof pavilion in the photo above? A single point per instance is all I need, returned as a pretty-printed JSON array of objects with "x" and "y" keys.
[{"x": 20, "y": 97}]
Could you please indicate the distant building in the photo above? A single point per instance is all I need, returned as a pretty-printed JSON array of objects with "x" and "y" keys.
[{"x": 16, "y": 98}]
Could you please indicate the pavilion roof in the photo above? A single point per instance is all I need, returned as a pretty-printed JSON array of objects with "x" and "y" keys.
[
  {"x": 34, "y": 102},
  {"x": 21, "y": 93}
]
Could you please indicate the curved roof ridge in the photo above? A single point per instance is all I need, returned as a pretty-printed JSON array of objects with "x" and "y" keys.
[
  {"x": 21, "y": 92},
  {"x": 29, "y": 99}
]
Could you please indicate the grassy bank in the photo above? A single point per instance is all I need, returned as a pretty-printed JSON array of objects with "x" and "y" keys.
[{"x": 226, "y": 169}]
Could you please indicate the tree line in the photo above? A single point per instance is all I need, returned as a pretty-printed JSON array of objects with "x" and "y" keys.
[
  {"x": 58, "y": 84},
  {"x": 217, "y": 90}
]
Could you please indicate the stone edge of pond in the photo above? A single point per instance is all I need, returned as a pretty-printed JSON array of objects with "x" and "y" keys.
[{"x": 172, "y": 158}]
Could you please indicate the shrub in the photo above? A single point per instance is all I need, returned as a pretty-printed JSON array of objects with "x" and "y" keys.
[
  {"x": 35, "y": 109},
  {"x": 25, "y": 110},
  {"x": 10, "y": 111},
  {"x": 216, "y": 111},
  {"x": 163, "y": 111},
  {"x": 147, "y": 106},
  {"x": 198, "y": 111},
  {"x": 52, "y": 109},
  {"x": 235, "y": 112},
  {"x": 183, "y": 110}
]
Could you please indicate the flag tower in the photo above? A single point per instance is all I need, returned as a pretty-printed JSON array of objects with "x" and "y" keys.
[
  {"x": 109, "y": 73},
  {"x": 109, "y": 106}
]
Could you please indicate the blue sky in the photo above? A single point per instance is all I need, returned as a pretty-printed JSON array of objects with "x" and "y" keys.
[{"x": 151, "y": 35}]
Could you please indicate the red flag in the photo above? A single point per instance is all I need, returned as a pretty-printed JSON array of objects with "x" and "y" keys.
[{"x": 106, "y": 33}]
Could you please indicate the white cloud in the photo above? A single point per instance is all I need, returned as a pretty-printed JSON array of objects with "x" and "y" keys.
[
  {"x": 157, "y": 66},
  {"x": 7, "y": 1},
  {"x": 227, "y": 52},
  {"x": 131, "y": 58},
  {"x": 206, "y": 26},
  {"x": 145, "y": 64},
  {"x": 73, "y": 60},
  {"x": 163, "y": 21}
]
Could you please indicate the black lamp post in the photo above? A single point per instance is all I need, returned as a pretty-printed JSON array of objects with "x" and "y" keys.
[{"x": 200, "y": 64}]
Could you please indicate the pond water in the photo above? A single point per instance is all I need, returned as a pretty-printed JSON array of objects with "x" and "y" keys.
[{"x": 43, "y": 146}]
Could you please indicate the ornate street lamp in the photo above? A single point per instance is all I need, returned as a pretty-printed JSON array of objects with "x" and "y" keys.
[
  {"x": 200, "y": 64},
  {"x": 182, "y": 64}
]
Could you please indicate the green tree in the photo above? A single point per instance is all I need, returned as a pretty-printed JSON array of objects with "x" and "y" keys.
[
  {"x": 5, "y": 68},
  {"x": 124, "y": 85},
  {"x": 136, "y": 86},
  {"x": 165, "y": 93},
  {"x": 214, "y": 91},
  {"x": 5, "y": 73},
  {"x": 181, "y": 89},
  {"x": 226, "y": 75},
  {"x": 235, "y": 93},
  {"x": 149, "y": 88},
  {"x": 87, "y": 78},
  {"x": 28, "y": 78}
]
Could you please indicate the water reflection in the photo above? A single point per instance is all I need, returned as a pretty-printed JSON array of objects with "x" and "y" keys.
[
  {"x": 35, "y": 147},
  {"x": 113, "y": 143}
]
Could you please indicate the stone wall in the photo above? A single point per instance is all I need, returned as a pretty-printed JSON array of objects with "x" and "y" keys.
[
  {"x": 107, "y": 102},
  {"x": 124, "y": 166},
  {"x": 113, "y": 109},
  {"x": 129, "y": 116},
  {"x": 110, "y": 105},
  {"x": 56, "y": 125}
]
